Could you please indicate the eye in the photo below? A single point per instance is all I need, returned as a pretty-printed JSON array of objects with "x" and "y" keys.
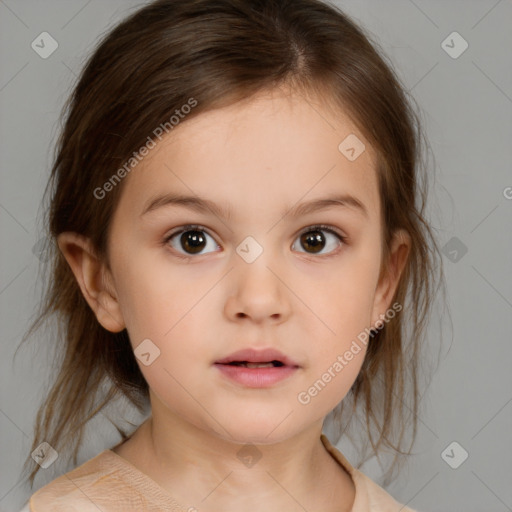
[
  {"x": 314, "y": 239},
  {"x": 193, "y": 239}
]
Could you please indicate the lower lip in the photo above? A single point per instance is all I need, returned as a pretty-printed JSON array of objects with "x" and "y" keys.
[{"x": 256, "y": 377}]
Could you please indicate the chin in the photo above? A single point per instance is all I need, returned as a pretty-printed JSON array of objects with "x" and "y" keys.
[{"x": 247, "y": 429}]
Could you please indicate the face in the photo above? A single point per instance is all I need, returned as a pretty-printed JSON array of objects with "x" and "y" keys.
[{"x": 252, "y": 270}]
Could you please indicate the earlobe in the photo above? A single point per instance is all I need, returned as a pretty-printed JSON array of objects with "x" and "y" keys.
[
  {"x": 93, "y": 278},
  {"x": 388, "y": 282}
]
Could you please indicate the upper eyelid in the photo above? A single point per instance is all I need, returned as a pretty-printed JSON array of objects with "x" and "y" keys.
[
  {"x": 200, "y": 227},
  {"x": 322, "y": 227},
  {"x": 188, "y": 227}
]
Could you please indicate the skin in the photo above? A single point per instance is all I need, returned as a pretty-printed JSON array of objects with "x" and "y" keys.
[{"x": 261, "y": 157}]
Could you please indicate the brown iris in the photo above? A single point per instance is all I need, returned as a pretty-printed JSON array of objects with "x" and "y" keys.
[
  {"x": 314, "y": 239},
  {"x": 193, "y": 241}
]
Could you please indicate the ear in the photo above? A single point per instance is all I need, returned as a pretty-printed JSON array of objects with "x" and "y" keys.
[
  {"x": 390, "y": 276},
  {"x": 94, "y": 279}
]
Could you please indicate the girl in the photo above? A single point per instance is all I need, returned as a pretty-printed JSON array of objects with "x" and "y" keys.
[{"x": 236, "y": 219}]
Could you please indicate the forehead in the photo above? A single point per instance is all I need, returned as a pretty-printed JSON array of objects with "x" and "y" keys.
[{"x": 276, "y": 148}]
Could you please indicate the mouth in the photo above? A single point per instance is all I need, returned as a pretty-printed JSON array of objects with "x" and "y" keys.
[
  {"x": 256, "y": 368},
  {"x": 267, "y": 357},
  {"x": 247, "y": 364}
]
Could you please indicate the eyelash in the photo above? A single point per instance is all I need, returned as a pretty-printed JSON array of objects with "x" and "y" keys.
[{"x": 317, "y": 227}]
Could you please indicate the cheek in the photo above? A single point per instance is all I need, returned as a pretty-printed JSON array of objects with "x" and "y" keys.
[
  {"x": 154, "y": 295},
  {"x": 173, "y": 311},
  {"x": 345, "y": 306},
  {"x": 347, "y": 294}
]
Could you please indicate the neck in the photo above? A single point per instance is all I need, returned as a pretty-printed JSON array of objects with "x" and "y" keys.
[{"x": 209, "y": 472}]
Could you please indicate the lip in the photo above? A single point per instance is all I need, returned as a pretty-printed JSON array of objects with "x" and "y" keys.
[
  {"x": 252, "y": 355},
  {"x": 257, "y": 377}
]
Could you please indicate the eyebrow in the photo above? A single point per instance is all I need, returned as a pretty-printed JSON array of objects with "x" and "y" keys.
[{"x": 203, "y": 205}]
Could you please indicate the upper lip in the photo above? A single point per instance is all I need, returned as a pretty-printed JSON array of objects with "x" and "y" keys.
[{"x": 251, "y": 355}]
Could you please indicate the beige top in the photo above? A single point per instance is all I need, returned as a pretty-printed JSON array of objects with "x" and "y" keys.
[{"x": 109, "y": 483}]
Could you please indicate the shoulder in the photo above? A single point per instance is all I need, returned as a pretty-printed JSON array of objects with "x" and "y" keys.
[
  {"x": 105, "y": 483},
  {"x": 369, "y": 496},
  {"x": 379, "y": 499},
  {"x": 86, "y": 488}
]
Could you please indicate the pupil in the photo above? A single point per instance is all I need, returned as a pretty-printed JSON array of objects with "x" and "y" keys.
[
  {"x": 314, "y": 239},
  {"x": 194, "y": 239}
]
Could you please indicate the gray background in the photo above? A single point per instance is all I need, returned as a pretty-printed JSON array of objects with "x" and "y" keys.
[{"x": 466, "y": 104}]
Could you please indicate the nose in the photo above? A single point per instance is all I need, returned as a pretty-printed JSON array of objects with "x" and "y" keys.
[{"x": 258, "y": 291}]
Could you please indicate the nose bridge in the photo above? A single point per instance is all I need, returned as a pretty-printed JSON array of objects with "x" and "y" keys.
[
  {"x": 255, "y": 259},
  {"x": 258, "y": 292}
]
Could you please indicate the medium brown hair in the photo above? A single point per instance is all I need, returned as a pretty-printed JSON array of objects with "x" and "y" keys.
[{"x": 221, "y": 52}]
